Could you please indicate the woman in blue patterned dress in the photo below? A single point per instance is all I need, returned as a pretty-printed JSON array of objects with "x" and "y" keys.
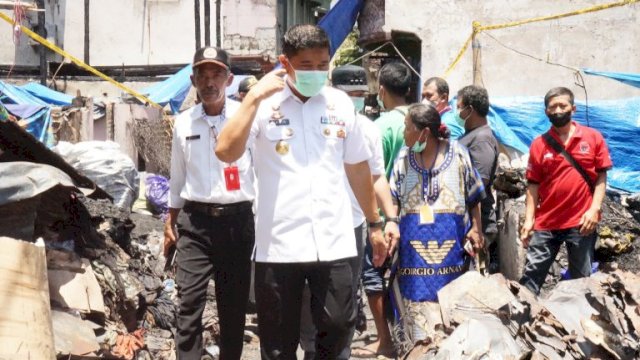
[{"x": 437, "y": 192}]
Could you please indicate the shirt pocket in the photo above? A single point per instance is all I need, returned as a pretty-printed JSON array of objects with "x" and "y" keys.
[
  {"x": 277, "y": 133},
  {"x": 194, "y": 144}
]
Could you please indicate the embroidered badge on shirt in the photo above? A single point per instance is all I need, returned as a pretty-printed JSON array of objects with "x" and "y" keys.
[
  {"x": 341, "y": 134},
  {"x": 331, "y": 120},
  {"x": 280, "y": 122},
  {"x": 584, "y": 147}
]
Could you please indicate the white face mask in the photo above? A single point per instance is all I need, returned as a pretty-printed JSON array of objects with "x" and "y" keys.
[{"x": 358, "y": 103}]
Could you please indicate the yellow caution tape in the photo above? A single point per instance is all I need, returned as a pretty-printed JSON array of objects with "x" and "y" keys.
[
  {"x": 77, "y": 61},
  {"x": 558, "y": 16},
  {"x": 477, "y": 28},
  {"x": 459, "y": 56}
]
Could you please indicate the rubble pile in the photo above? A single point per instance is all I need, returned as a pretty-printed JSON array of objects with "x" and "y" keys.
[{"x": 495, "y": 318}]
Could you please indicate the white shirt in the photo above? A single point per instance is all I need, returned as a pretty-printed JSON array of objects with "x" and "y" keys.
[
  {"x": 376, "y": 163},
  {"x": 303, "y": 212},
  {"x": 196, "y": 173}
]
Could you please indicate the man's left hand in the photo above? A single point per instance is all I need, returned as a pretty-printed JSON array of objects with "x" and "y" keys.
[
  {"x": 476, "y": 238},
  {"x": 392, "y": 236},
  {"x": 379, "y": 245},
  {"x": 589, "y": 221}
]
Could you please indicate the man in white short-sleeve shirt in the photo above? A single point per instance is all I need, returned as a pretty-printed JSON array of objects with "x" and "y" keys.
[
  {"x": 210, "y": 201},
  {"x": 304, "y": 138}
]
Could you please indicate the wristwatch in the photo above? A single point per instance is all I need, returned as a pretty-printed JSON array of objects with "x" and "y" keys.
[
  {"x": 394, "y": 219},
  {"x": 376, "y": 224}
]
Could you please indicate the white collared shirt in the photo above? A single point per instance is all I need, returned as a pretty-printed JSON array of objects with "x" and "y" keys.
[
  {"x": 196, "y": 173},
  {"x": 376, "y": 163},
  {"x": 303, "y": 212}
]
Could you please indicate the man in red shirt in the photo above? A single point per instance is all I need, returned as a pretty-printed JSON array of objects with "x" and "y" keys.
[{"x": 561, "y": 206}]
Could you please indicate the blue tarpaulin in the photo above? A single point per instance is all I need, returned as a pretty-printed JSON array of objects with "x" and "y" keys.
[
  {"x": 34, "y": 113},
  {"x": 339, "y": 21},
  {"x": 617, "y": 120},
  {"x": 12, "y": 94},
  {"x": 171, "y": 91},
  {"x": 47, "y": 95},
  {"x": 627, "y": 78}
]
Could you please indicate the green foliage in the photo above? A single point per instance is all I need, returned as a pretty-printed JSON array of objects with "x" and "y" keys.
[{"x": 349, "y": 50}]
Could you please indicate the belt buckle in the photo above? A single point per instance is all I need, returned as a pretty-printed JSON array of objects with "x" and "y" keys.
[{"x": 216, "y": 211}]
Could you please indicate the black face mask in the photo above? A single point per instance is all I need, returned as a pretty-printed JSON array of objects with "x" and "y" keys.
[{"x": 560, "y": 119}]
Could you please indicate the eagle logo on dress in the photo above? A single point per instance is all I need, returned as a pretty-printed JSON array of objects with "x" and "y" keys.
[{"x": 433, "y": 253}]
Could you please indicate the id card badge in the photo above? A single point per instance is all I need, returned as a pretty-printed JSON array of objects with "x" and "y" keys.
[
  {"x": 232, "y": 178},
  {"x": 426, "y": 214}
]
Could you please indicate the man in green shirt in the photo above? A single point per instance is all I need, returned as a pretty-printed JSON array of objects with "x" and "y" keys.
[{"x": 395, "y": 80}]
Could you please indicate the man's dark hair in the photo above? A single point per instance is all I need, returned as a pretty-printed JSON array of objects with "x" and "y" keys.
[
  {"x": 441, "y": 85},
  {"x": 558, "y": 91},
  {"x": 476, "y": 97},
  {"x": 426, "y": 116},
  {"x": 304, "y": 36},
  {"x": 396, "y": 78}
]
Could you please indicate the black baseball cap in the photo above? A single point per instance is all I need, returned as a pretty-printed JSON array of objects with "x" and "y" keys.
[
  {"x": 246, "y": 83},
  {"x": 349, "y": 78},
  {"x": 213, "y": 55}
]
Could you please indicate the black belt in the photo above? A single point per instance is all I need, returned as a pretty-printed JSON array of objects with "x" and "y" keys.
[{"x": 216, "y": 210}]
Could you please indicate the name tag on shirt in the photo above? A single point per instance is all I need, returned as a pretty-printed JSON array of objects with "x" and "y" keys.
[
  {"x": 193, "y": 137},
  {"x": 426, "y": 214},
  {"x": 232, "y": 178}
]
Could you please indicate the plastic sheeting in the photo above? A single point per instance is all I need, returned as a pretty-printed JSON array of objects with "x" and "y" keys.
[
  {"x": 617, "y": 120},
  {"x": 47, "y": 95},
  {"x": 157, "y": 193},
  {"x": 627, "y": 78},
  {"x": 105, "y": 164},
  {"x": 171, "y": 91},
  {"x": 25, "y": 180},
  {"x": 35, "y": 114}
]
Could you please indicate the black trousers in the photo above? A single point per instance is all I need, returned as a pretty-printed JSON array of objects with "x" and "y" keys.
[
  {"x": 307, "y": 328},
  {"x": 219, "y": 248},
  {"x": 279, "y": 288}
]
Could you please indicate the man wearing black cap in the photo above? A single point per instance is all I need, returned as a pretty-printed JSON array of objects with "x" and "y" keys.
[
  {"x": 245, "y": 85},
  {"x": 216, "y": 226}
]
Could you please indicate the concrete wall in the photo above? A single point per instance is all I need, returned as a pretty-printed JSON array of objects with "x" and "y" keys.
[
  {"x": 607, "y": 40},
  {"x": 23, "y": 52},
  {"x": 249, "y": 27},
  {"x": 126, "y": 32}
]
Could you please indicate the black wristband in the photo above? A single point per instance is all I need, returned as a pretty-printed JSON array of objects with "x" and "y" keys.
[
  {"x": 376, "y": 225},
  {"x": 394, "y": 219}
]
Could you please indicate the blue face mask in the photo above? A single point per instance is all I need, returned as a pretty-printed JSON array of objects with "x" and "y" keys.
[
  {"x": 459, "y": 120},
  {"x": 418, "y": 146},
  {"x": 358, "y": 103},
  {"x": 310, "y": 82},
  {"x": 380, "y": 102}
]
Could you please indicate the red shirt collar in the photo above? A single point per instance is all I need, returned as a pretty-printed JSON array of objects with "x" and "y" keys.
[
  {"x": 577, "y": 134},
  {"x": 448, "y": 108}
]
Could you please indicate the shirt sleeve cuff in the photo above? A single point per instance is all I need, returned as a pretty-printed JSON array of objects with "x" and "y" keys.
[{"x": 176, "y": 202}]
